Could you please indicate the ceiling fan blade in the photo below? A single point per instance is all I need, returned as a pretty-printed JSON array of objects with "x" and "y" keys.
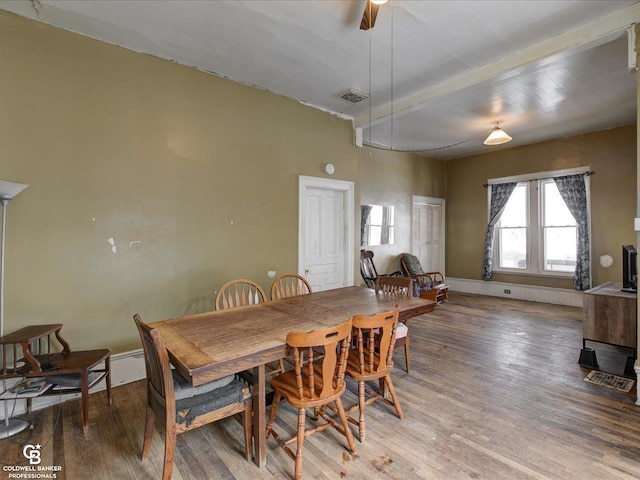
[{"x": 369, "y": 16}]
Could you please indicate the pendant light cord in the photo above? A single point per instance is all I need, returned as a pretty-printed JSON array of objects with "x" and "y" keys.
[{"x": 391, "y": 141}]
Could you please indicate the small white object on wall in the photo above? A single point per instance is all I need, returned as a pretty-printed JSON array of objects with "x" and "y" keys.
[
  {"x": 329, "y": 168},
  {"x": 606, "y": 261},
  {"x": 271, "y": 273},
  {"x": 636, "y": 224}
]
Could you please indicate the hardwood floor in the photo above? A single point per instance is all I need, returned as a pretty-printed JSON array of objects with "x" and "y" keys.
[{"x": 495, "y": 392}]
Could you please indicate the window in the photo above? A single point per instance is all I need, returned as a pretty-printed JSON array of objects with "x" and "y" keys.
[
  {"x": 512, "y": 230},
  {"x": 559, "y": 231},
  {"x": 378, "y": 226},
  {"x": 536, "y": 233}
]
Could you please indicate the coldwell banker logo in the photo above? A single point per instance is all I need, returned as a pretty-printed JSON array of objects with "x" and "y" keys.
[
  {"x": 34, "y": 469},
  {"x": 32, "y": 453}
]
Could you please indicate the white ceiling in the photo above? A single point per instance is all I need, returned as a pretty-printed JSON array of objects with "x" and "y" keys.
[{"x": 441, "y": 73}]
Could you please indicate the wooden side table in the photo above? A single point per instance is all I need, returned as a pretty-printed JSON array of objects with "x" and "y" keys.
[{"x": 77, "y": 369}]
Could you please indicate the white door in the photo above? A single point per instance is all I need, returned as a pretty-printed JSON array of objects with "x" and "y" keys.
[
  {"x": 326, "y": 233},
  {"x": 428, "y": 233}
]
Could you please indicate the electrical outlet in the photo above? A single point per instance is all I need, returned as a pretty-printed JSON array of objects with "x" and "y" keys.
[{"x": 506, "y": 290}]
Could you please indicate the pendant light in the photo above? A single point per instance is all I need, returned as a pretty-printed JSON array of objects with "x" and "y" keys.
[{"x": 497, "y": 136}]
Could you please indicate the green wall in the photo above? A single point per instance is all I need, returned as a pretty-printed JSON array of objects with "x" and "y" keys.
[
  {"x": 194, "y": 177},
  {"x": 610, "y": 153},
  {"x": 392, "y": 178}
]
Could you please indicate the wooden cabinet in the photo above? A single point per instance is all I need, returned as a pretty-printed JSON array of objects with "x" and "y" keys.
[{"x": 610, "y": 316}]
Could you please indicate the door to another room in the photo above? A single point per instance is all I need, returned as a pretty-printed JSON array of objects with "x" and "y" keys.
[
  {"x": 428, "y": 239},
  {"x": 326, "y": 232}
]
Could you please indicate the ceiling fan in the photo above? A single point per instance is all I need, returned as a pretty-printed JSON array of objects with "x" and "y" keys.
[{"x": 370, "y": 13}]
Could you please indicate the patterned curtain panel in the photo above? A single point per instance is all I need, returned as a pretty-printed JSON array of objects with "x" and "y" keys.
[
  {"x": 364, "y": 220},
  {"x": 500, "y": 194},
  {"x": 574, "y": 193}
]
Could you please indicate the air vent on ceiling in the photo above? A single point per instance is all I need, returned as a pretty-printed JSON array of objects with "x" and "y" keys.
[{"x": 352, "y": 95}]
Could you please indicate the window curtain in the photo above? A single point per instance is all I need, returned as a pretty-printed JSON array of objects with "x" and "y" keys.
[
  {"x": 364, "y": 221},
  {"x": 573, "y": 190},
  {"x": 500, "y": 194}
]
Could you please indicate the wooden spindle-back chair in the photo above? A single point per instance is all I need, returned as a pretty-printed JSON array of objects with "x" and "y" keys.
[
  {"x": 238, "y": 293},
  {"x": 316, "y": 381},
  {"x": 401, "y": 286},
  {"x": 372, "y": 359},
  {"x": 289, "y": 285}
]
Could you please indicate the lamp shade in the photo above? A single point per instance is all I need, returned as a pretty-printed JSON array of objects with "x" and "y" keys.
[
  {"x": 497, "y": 137},
  {"x": 8, "y": 190}
]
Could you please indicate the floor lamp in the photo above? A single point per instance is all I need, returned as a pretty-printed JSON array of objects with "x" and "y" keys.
[{"x": 8, "y": 190}]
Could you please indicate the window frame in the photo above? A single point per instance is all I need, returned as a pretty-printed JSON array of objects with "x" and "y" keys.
[
  {"x": 542, "y": 230},
  {"x": 535, "y": 225},
  {"x": 528, "y": 230}
]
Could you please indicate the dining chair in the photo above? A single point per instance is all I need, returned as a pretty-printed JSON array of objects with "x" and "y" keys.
[
  {"x": 239, "y": 293},
  {"x": 401, "y": 286},
  {"x": 182, "y": 406},
  {"x": 315, "y": 382},
  {"x": 372, "y": 359},
  {"x": 289, "y": 285}
]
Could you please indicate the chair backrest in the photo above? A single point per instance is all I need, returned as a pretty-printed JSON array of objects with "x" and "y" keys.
[
  {"x": 395, "y": 285},
  {"x": 237, "y": 293},
  {"x": 323, "y": 351},
  {"x": 410, "y": 264},
  {"x": 374, "y": 337},
  {"x": 367, "y": 268},
  {"x": 289, "y": 285},
  {"x": 156, "y": 359}
]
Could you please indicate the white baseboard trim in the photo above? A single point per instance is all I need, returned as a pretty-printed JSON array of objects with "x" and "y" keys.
[
  {"x": 125, "y": 368},
  {"x": 558, "y": 296}
]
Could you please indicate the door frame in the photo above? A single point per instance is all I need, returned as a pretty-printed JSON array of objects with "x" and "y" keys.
[
  {"x": 418, "y": 200},
  {"x": 347, "y": 188}
]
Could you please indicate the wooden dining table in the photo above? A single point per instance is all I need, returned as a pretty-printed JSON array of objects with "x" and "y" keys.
[{"x": 211, "y": 345}]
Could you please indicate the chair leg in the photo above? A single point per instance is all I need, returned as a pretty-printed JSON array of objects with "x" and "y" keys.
[
  {"x": 407, "y": 356},
  {"x": 362, "y": 430},
  {"x": 107, "y": 366},
  {"x": 169, "y": 448},
  {"x": 345, "y": 424},
  {"x": 300, "y": 442},
  {"x": 247, "y": 423},
  {"x": 148, "y": 432},
  {"x": 272, "y": 416},
  {"x": 392, "y": 391}
]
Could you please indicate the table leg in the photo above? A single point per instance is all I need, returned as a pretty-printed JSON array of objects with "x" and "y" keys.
[
  {"x": 259, "y": 416},
  {"x": 84, "y": 399}
]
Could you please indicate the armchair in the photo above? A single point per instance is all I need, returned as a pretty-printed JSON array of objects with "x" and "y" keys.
[
  {"x": 429, "y": 285},
  {"x": 368, "y": 269}
]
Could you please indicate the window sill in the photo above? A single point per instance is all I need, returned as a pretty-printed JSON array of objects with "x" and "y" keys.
[{"x": 503, "y": 271}]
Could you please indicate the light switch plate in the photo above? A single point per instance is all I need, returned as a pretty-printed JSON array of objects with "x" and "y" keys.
[{"x": 636, "y": 224}]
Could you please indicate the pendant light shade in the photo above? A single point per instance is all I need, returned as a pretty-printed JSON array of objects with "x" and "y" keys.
[{"x": 497, "y": 137}]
